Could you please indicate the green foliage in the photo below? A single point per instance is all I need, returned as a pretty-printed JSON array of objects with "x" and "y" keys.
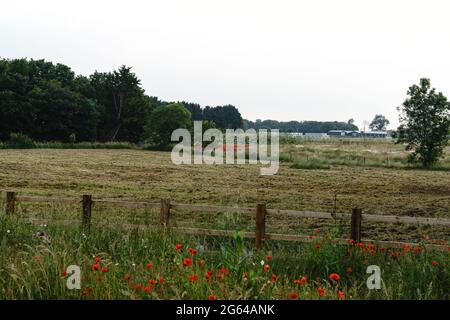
[
  {"x": 303, "y": 126},
  {"x": 48, "y": 102},
  {"x": 425, "y": 123},
  {"x": 85, "y": 145},
  {"x": 34, "y": 258},
  {"x": 125, "y": 107},
  {"x": 225, "y": 117},
  {"x": 379, "y": 123},
  {"x": 20, "y": 141},
  {"x": 164, "y": 120}
]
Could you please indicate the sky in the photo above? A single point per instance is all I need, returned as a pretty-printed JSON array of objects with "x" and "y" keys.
[{"x": 282, "y": 60}]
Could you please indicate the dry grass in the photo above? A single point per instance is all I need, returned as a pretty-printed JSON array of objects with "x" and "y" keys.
[{"x": 136, "y": 174}]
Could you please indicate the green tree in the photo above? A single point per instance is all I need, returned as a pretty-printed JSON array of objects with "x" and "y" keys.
[
  {"x": 125, "y": 107},
  {"x": 379, "y": 123},
  {"x": 41, "y": 100},
  {"x": 424, "y": 123},
  {"x": 225, "y": 117},
  {"x": 164, "y": 120}
]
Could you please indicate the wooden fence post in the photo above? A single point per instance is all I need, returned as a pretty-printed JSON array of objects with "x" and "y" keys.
[
  {"x": 260, "y": 224},
  {"x": 355, "y": 233},
  {"x": 87, "y": 207},
  {"x": 10, "y": 202},
  {"x": 164, "y": 213}
]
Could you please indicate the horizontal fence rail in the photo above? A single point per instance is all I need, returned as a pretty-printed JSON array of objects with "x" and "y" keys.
[{"x": 260, "y": 212}]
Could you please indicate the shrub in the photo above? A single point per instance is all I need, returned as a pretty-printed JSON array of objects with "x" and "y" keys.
[{"x": 20, "y": 141}]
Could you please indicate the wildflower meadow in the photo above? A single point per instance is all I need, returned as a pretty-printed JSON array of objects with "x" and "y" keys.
[{"x": 117, "y": 264}]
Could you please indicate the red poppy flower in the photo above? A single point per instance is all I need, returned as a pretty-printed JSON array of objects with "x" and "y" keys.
[
  {"x": 187, "y": 262},
  {"x": 268, "y": 258},
  {"x": 434, "y": 263},
  {"x": 212, "y": 297},
  {"x": 87, "y": 292},
  {"x": 224, "y": 270},
  {"x": 317, "y": 246},
  {"x": 98, "y": 259},
  {"x": 266, "y": 267},
  {"x": 209, "y": 274},
  {"x": 138, "y": 287},
  {"x": 162, "y": 280},
  {"x": 178, "y": 247},
  {"x": 192, "y": 251},
  {"x": 193, "y": 278},
  {"x": 340, "y": 295},
  {"x": 148, "y": 289},
  {"x": 293, "y": 295},
  {"x": 63, "y": 273},
  {"x": 359, "y": 244},
  {"x": 417, "y": 249},
  {"x": 126, "y": 277},
  {"x": 334, "y": 277},
  {"x": 350, "y": 242},
  {"x": 95, "y": 267},
  {"x": 152, "y": 282},
  {"x": 274, "y": 277},
  {"x": 349, "y": 270},
  {"x": 104, "y": 269},
  {"x": 321, "y": 292},
  {"x": 301, "y": 281},
  {"x": 149, "y": 266}
]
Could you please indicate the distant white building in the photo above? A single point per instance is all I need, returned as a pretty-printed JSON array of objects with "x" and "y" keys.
[
  {"x": 316, "y": 135},
  {"x": 358, "y": 134}
]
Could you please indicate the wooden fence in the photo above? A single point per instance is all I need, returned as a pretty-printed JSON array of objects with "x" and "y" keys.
[{"x": 260, "y": 212}]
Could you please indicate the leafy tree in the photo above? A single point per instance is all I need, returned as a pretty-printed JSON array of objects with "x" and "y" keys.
[
  {"x": 125, "y": 107},
  {"x": 379, "y": 123},
  {"x": 39, "y": 99},
  {"x": 62, "y": 112},
  {"x": 225, "y": 117},
  {"x": 425, "y": 123},
  {"x": 195, "y": 109},
  {"x": 164, "y": 120}
]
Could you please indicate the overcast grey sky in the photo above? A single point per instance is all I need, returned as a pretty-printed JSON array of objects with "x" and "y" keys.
[{"x": 283, "y": 60}]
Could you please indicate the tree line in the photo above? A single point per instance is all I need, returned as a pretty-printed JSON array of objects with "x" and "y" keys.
[
  {"x": 49, "y": 102},
  {"x": 300, "y": 126}
]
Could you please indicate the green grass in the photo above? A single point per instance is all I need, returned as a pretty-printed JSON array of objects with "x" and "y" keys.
[
  {"x": 32, "y": 267},
  {"x": 86, "y": 145}
]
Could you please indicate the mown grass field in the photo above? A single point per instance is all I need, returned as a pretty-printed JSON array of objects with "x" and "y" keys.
[
  {"x": 31, "y": 266},
  {"x": 146, "y": 175}
]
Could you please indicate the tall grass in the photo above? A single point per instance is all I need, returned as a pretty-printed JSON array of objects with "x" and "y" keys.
[{"x": 134, "y": 264}]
